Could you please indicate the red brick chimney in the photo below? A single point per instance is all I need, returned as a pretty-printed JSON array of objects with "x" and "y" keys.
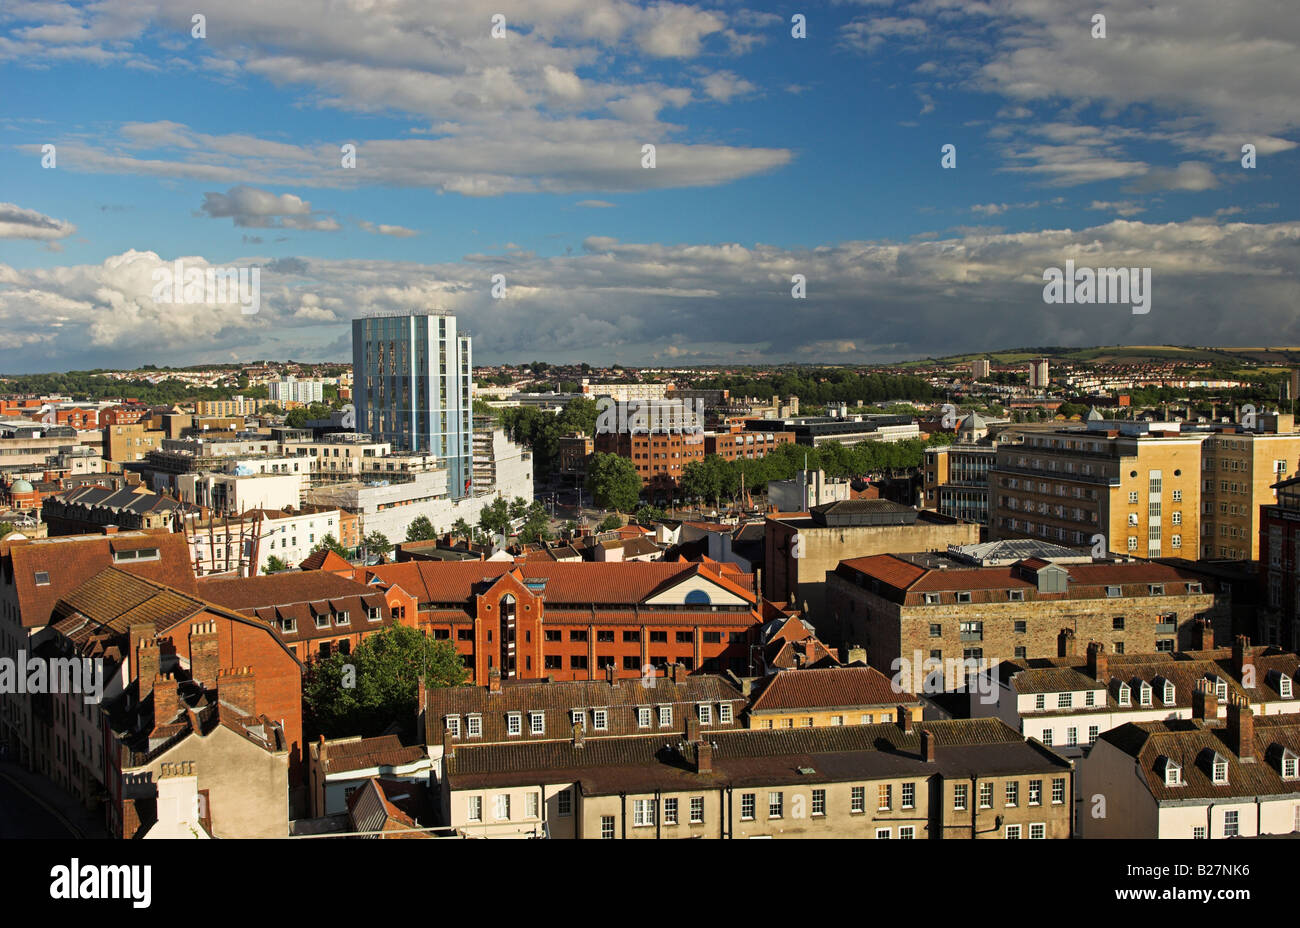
[
  {"x": 904, "y": 718},
  {"x": 703, "y": 757},
  {"x": 166, "y": 700},
  {"x": 692, "y": 728},
  {"x": 1241, "y": 730},
  {"x": 1098, "y": 662},
  {"x": 1204, "y": 635},
  {"x": 494, "y": 680},
  {"x": 1065, "y": 643},
  {"x": 1205, "y": 705},
  {"x": 929, "y": 747},
  {"x": 810, "y": 650},
  {"x": 236, "y": 689},
  {"x": 204, "y": 657},
  {"x": 148, "y": 662}
]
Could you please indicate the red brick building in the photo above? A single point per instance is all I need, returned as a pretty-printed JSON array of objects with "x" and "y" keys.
[
  {"x": 574, "y": 621},
  {"x": 315, "y": 612}
]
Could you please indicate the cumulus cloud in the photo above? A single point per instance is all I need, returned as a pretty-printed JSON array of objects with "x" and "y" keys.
[
  {"x": 252, "y": 208},
  {"x": 17, "y": 222},
  {"x": 394, "y": 231},
  {"x": 625, "y": 301}
]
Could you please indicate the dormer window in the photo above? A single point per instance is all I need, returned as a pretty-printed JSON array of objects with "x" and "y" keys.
[
  {"x": 453, "y": 725},
  {"x": 1284, "y": 686},
  {"x": 1193, "y": 588},
  {"x": 1144, "y": 693},
  {"x": 932, "y": 599},
  {"x": 963, "y": 597},
  {"x": 1173, "y": 773},
  {"x": 1220, "y": 689},
  {"x": 1016, "y": 596},
  {"x": 514, "y": 723},
  {"x": 474, "y": 725},
  {"x": 1113, "y": 592},
  {"x": 1167, "y": 696},
  {"x": 578, "y": 717},
  {"x": 1156, "y": 589},
  {"x": 1290, "y": 764},
  {"x": 1125, "y": 695},
  {"x": 1219, "y": 768}
]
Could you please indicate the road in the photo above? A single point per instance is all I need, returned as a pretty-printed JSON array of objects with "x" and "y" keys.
[{"x": 21, "y": 817}]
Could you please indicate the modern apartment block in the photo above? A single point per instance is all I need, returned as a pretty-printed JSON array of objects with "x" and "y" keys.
[
  {"x": 1013, "y": 601},
  {"x": 412, "y": 388},
  {"x": 1238, "y": 471},
  {"x": 1039, "y": 373},
  {"x": 293, "y": 390},
  {"x": 1137, "y": 484},
  {"x": 1279, "y": 565}
]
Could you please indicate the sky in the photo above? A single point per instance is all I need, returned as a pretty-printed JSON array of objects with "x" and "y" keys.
[{"x": 798, "y": 207}]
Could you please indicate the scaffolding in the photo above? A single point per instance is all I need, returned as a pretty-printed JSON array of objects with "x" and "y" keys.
[{"x": 208, "y": 560}]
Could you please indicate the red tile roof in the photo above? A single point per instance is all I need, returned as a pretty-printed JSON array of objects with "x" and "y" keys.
[
  {"x": 71, "y": 560},
  {"x": 832, "y": 688}
]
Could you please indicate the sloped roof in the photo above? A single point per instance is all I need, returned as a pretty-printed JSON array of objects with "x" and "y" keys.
[{"x": 829, "y": 688}]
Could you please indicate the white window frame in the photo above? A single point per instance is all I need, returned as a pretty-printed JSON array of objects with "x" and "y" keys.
[{"x": 537, "y": 723}]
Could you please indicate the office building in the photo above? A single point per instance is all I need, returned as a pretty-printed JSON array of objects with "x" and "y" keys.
[{"x": 413, "y": 388}]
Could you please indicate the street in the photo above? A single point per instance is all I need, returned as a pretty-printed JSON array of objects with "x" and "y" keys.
[{"x": 22, "y": 817}]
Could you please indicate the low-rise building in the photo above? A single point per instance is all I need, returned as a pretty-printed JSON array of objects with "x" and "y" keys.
[
  {"x": 339, "y": 767},
  {"x": 832, "y": 696},
  {"x": 948, "y": 779}
]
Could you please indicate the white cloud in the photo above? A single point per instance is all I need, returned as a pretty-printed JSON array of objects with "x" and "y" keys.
[{"x": 17, "y": 222}]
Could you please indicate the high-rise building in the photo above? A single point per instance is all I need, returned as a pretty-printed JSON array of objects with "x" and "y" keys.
[
  {"x": 412, "y": 387},
  {"x": 1038, "y": 373},
  {"x": 293, "y": 390},
  {"x": 979, "y": 368}
]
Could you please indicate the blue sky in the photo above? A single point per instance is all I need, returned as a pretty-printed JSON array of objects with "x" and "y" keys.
[{"x": 521, "y": 156}]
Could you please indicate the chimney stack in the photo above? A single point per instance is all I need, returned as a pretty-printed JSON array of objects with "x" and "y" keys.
[
  {"x": 1241, "y": 660},
  {"x": 148, "y": 662},
  {"x": 904, "y": 718},
  {"x": 1204, "y": 635},
  {"x": 1205, "y": 705},
  {"x": 1065, "y": 643},
  {"x": 204, "y": 659},
  {"x": 579, "y": 734},
  {"x": 609, "y": 674},
  {"x": 1098, "y": 662},
  {"x": 692, "y": 728},
  {"x": 494, "y": 680},
  {"x": 929, "y": 747},
  {"x": 674, "y": 671},
  {"x": 703, "y": 757},
  {"x": 166, "y": 700},
  {"x": 235, "y": 688},
  {"x": 1241, "y": 729},
  {"x": 810, "y": 650}
]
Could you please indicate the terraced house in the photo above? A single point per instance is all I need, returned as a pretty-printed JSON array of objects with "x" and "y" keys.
[
  {"x": 831, "y": 696},
  {"x": 1195, "y": 778},
  {"x": 577, "y": 621},
  {"x": 954, "y": 779},
  {"x": 1068, "y": 704}
]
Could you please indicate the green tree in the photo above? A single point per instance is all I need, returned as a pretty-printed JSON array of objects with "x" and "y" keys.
[
  {"x": 462, "y": 529},
  {"x": 274, "y": 565},
  {"x": 332, "y": 543},
  {"x": 537, "y": 525},
  {"x": 495, "y": 517},
  {"x": 611, "y": 522},
  {"x": 613, "y": 482},
  {"x": 377, "y": 543},
  {"x": 421, "y": 529},
  {"x": 365, "y": 691},
  {"x": 650, "y": 513}
]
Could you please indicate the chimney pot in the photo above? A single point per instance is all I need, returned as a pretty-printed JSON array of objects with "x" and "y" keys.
[
  {"x": 1098, "y": 662},
  {"x": 494, "y": 681},
  {"x": 1241, "y": 730},
  {"x": 929, "y": 747},
  {"x": 1205, "y": 635}
]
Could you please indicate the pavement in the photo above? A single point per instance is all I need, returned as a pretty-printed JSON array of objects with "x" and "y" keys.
[{"x": 33, "y": 807}]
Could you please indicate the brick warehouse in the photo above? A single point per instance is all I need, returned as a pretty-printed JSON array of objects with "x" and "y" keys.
[
  {"x": 573, "y": 621},
  {"x": 897, "y": 605}
]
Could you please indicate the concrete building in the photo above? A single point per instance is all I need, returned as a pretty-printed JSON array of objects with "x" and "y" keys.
[
  {"x": 1239, "y": 470},
  {"x": 413, "y": 388},
  {"x": 979, "y": 369},
  {"x": 808, "y": 488},
  {"x": 1039, "y": 374},
  {"x": 236, "y": 493},
  {"x": 1137, "y": 484},
  {"x": 845, "y": 428},
  {"x": 126, "y": 444},
  {"x": 293, "y": 390},
  {"x": 801, "y": 549}
]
